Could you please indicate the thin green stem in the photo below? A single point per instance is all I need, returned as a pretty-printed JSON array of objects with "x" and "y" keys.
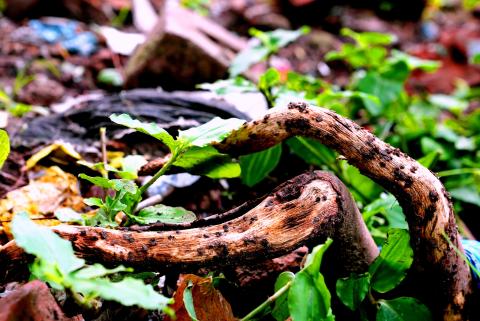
[
  {"x": 161, "y": 172},
  {"x": 267, "y": 302},
  {"x": 474, "y": 269}
]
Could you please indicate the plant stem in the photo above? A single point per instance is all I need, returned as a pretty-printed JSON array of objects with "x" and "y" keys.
[
  {"x": 160, "y": 172},
  {"x": 103, "y": 143},
  {"x": 267, "y": 302}
]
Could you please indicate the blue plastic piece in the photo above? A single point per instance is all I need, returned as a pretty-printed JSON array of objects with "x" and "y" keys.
[
  {"x": 83, "y": 43},
  {"x": 472, "y": 251}
]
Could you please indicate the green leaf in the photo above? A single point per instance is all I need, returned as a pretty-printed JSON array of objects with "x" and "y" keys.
[
  {"x": 44, "y": 244},
  {"x": 353, "y": 289},
  {"x": 414, "y": 62},
  {"x": 430, "y": 159},
  {"x": 110, "y": 76},
  {"x": 257, "y": 166},
  {"x": 116, "y": 184},
  {"x": 164, "y": 214},
  {"x": 312, "y": 151},
  {"x": 151, "y": 129},
  {"x": 395, "y": 258},
  {"x": 228, "y": 86},
  {"x": 68, "y": 215},
  {"x": 280, "y": 311},
  {"x": 4, "y": 146},
  {"x": 402, "y": 309},
  {"x": 306, "y": 302},
  {"x": 369, "y": 38},
  {"x": 247, "y": 57},
  {"x": 128, "y": 292},
  {"x": 131, "y": 164},
  {"x": 308, "y": 297},
  {"x": 209, "y": 162},
  {"x": 188, "y": 301},
  {"x": 214, "y": 131},
  {"x": 97, "y": 270},
  {"x": 386, "y": 89},
  {"x": 93, "y": 201},
  {"x": 468, "y": 194}
]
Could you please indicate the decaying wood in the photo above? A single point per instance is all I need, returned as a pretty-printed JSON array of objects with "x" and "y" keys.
[
  {"x": 305, "y": 210},
  {"x": 182, "y": 50}
]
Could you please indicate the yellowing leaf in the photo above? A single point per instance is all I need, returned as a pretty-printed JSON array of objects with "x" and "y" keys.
[{"x": 66, "y": 148}]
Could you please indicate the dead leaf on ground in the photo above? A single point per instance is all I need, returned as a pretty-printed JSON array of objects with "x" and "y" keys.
[
  {"x": 209, "y": 303},
  {"x": 53, "y": 190}
]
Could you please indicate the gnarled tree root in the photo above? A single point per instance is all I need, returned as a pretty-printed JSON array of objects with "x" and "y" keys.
[
  {"x": 315, "y": 207},
  {"x": 302, "y": 211}
]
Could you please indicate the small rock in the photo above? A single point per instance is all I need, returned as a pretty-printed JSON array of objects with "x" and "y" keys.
[{"x": 32, "y": 301}]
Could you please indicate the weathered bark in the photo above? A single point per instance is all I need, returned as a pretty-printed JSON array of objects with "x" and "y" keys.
[
  {"x": 424, "y": 200},
  {"x": 315, "y": 207},
  {"x": 304, "y": 210}
]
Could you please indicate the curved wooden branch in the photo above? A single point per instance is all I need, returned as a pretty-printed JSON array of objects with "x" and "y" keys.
[
  {"x": 316, "y": 206},
  {"x": 302, "y": 211},
  {"x": 422, "y": 196}
]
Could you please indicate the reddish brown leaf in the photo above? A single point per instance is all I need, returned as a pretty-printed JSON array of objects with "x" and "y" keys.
[{"x": 209, "y": 303}]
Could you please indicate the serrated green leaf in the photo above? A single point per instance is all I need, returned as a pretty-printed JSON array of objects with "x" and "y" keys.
[
  {"x": 4, "y": 146},
  {"x": 353, "y": 289},
  {"x": 214, "y": 131},
  {"x": 44, "y": 244},
  {"x": 257, "y": 166},
  {"x": 402, "y": 309},
  {"x": 151, "y": 129},
  {"x": 280, "y": 311},
  {"x": 164, "y": 214},
  {"x": 395, "y": 258}
]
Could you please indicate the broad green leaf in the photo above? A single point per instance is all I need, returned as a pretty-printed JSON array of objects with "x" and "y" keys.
[
  {"x": 213, "y": 131},
  {"x": 97, "y": 270},
  {"x": 151, "y": 129},
  {"x": 308, "y": 297},
  {"x": 257, "y": 166},
  {"x": 361, "y": 186},
  {"x": 68, "y": 215},
  {"x": 164, "y": 214},
  {"x": 188, "y": 301},
  {"x": 312, "y": 151},
  {"x": 306, "y": 302},
  {"x": 228, "y": 86},
  {"x": 402, "y": 309},
  {"x": 387, "y": 205},
  {"x": 386, "y": 89},
  {"x": 353, "y": 289},
  {"x": 209, "y": 162},
  {"x": 44, "y": 244},
  {"x": 4, "y": 147},
  {"x": 395, "y": 258},
  {"x": 280, "y": 311},
  {"x": 138, "y": 293}
]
